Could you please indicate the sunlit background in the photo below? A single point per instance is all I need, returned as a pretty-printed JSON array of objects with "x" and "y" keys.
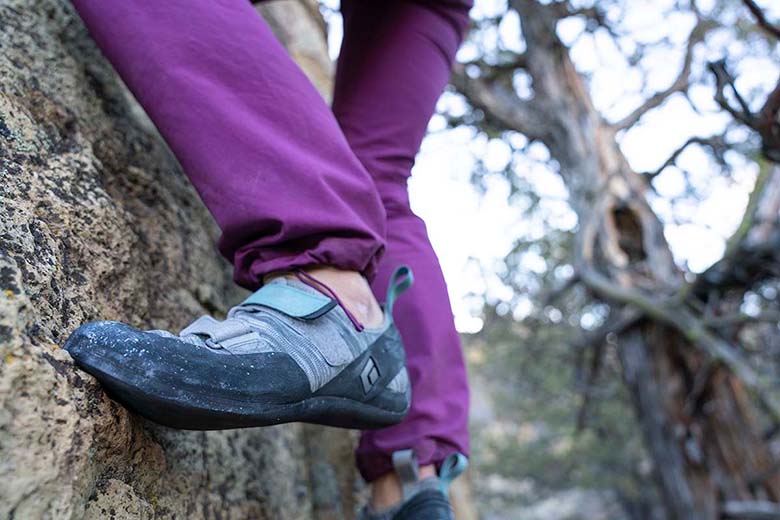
[{"x": 473, "y": 227}]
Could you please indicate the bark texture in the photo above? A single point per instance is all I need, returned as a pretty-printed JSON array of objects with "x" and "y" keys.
[
  {"x": 97, "y": 221},
  {"x": 693, "y": 391}
]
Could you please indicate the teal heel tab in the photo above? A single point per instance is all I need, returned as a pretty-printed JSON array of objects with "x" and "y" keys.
[
  {"x": 451, "y": 468},
  {"x": 401, "y": 280}
]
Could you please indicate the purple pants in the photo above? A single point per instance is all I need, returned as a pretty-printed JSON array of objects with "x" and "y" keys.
[{"x": 292, "y": 182}]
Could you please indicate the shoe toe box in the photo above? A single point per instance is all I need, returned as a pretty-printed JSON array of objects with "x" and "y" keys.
[
  {"x": 115, "y": 352},
  {"x": 93, "y": 338}
]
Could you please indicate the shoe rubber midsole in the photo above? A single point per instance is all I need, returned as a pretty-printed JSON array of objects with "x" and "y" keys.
[
  {"x": 217, "y": 414},
  {"x": 198, "y": 407}
]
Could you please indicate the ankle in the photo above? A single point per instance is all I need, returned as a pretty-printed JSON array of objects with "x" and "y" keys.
[
  {"x": 386, "y": 491},
  {"x": 352, "y": 289}
]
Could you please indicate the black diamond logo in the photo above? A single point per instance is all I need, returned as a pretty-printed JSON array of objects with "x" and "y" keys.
[{"x": 369, "y": 375}]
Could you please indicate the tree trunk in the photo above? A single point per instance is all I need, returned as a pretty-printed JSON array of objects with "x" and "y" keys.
[
  {"x": 690, "y": 386},
  {"x": 697, "y": 421},
  {"x": 97, "y": 221}
]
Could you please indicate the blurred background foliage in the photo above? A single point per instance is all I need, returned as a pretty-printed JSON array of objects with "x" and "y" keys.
[{"x": 684, "y": 86}]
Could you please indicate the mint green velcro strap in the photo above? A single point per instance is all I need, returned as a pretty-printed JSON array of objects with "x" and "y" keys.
[
  {"x": 451, "y": 468},
  {"x": 291, "y": 301},
  {"x": 401, "y": 280}
]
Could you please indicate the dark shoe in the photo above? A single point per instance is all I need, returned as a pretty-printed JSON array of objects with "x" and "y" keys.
[
  {"x": 422, "y": 499},
  {"x": 287, "y": 353}
]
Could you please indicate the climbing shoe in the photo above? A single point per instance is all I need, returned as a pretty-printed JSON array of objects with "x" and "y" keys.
[
  {"x": 422, "y": 499},
  {"x": 288, "y": 353}
]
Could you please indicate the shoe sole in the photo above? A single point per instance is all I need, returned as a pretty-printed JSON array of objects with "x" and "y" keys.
[
  {"x": 328, "y": 411},
  {"x": 144, "y": 395}
]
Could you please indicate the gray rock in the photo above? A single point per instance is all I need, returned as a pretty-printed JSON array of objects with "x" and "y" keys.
[{"x": 97, "y": 221}]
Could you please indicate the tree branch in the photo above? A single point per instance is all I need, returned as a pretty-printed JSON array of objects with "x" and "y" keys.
[
  {"x": 768, "y": 125},
  {"x": 761, "y": 20},
  {"x": 668, "y": 311},
  {"x": 716, "y": 142},
  {"x": 500, "y": 103},
  {"x": 751, "y": 510},
  {"x": 680, "y": 83},
  {"x": 490, "y": 71},
  {"x": 740, "y": 318},
  {"x": 723, "y": 270},
  {"x": 724, "y": 79}
]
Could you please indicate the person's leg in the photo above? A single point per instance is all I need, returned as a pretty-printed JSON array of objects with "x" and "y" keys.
[
  {"x": 269, "y": 159},
  {"x": 256, "y": 139},
  {"x": 395, "y": 60}
]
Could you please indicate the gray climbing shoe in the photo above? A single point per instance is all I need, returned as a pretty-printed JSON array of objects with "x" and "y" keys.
[
  {"x": 422, "y": 499},
  {"x": 287, "y": 353}
]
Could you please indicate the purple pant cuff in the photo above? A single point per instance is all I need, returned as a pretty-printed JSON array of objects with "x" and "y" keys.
[{"x": 251, "y": 265}]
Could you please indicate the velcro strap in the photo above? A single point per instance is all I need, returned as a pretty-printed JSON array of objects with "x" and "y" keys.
[
  {"x": 405, "y": 464},
  {"x": 216, "y": 330},
  {"x": 291, "y": 301}
]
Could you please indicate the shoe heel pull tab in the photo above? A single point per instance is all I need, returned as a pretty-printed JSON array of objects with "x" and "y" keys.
[
  {"x": 405, "y": 464},
  {"x": 401, "y": 280},
  {"x": 451, "y": 468}
]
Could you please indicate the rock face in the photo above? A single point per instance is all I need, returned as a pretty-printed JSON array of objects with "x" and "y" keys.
[{"x": 98, "y": 222}]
